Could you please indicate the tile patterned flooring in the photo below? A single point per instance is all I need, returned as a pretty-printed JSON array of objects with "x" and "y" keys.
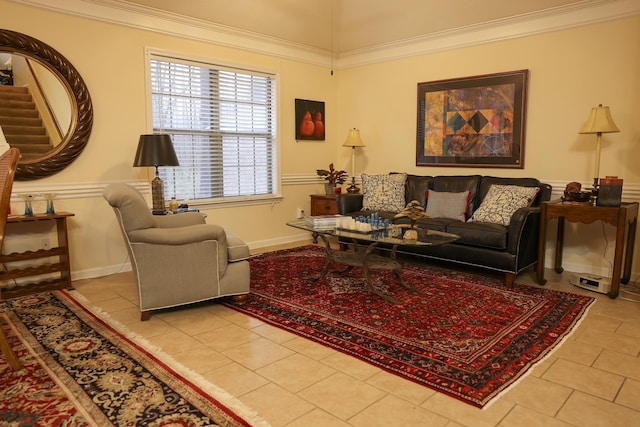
[{"x": 593, "y": 379}]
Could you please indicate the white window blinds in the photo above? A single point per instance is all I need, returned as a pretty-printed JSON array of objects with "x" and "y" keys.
[{"x": 221, "y": 121}]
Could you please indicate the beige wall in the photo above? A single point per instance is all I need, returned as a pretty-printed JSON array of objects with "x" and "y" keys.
[{"x": 570, "y": 71}]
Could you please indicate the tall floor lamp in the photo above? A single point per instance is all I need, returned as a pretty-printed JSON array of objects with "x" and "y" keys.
[
  {"x": 599, "y": 122},
  {"x": 353, "y": 140},
  {"x": 156, "y": 150}
]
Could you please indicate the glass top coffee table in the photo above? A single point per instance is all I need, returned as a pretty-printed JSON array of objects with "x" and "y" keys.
[{"x": 364, "y": 256}]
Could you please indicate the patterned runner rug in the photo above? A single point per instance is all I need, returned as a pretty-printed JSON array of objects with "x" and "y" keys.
[
  {"x": 466, "y": 336},
  {"x": 79, "y": 370}
]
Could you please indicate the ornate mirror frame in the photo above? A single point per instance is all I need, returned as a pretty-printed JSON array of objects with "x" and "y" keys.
[{"x": 81, "y": 108}]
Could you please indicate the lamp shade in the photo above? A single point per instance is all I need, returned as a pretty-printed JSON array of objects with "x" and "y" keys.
[
  {"x": 155, "y": 150},
  {"x": 600, "y": 121},
  {"x": 353, "y": 139}
]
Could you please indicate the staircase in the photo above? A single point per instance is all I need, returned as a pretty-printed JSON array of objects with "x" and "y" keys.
[{"x": 21, "y": 123}]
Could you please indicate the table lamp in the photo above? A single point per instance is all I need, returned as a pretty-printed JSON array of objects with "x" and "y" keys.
[
  {"x": 156, "y": 150},
  {"x": 353, "y": 140},
  {"x": 599, "y": 122}
]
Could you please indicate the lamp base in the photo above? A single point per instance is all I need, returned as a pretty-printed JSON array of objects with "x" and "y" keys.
[
  {"x": 353, "y": 188},
  {"x": 157, "y": 194}
]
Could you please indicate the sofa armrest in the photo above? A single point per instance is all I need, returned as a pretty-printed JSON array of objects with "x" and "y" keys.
[
  {"x": 523, "y": 232},
  {"x": 347, "y": 203}
]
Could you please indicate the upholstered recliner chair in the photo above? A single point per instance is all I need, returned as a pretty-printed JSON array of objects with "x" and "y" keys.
[{"x": 178, "y": 259}]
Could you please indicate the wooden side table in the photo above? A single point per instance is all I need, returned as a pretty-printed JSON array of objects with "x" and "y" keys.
[
  {"x": 323, "y": 204},
  {"x": 62, "y": 266},
  {"x": 624, "y": 218}
]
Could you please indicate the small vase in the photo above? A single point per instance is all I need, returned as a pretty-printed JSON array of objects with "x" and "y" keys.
[
  {"x": 28, "y": 198},
  {"x": 328, "y": 189},
  {"x": 49, "y": 198}
]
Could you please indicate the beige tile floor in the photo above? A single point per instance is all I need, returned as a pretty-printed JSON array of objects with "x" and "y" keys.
[{"x": 593, "y": 379}]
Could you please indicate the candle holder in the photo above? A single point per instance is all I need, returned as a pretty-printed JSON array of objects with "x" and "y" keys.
[
  {"x": 49, "y": 198},
  {"x": 28, "y": 209}
]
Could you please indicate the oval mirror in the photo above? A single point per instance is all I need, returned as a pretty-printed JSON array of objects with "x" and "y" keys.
[{"x": 62, "y": 100}]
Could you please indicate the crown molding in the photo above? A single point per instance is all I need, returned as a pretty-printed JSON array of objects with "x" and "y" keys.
[
  {"x": 564, "y": 17},
  {"x": 560, "y": 18}
]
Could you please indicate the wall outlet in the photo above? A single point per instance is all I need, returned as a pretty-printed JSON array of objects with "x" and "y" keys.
[
  {"x": 46, "y": 244},
  {"x": 299, "y": 213}
]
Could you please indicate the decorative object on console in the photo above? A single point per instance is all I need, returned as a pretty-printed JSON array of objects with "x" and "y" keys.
[
  {"x": 599, "y": 122},
  {"x": 610, "y": 192},
  {"x": 333, "y": 177},
  {"x": 156, "y": 150},
  {"x": 353, "y": 140},
  {"x": 572, "y": 193},
  {"x": 28, "y": 208},
  {"x": 49, "y": 198}
]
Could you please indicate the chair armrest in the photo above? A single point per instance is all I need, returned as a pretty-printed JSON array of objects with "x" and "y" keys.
[
  {"x": 180, "y": 235},
  {"x": 179, "y": 220},
  {"x": 347, "y": 203}
]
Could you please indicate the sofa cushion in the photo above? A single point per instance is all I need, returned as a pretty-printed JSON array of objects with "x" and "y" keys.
[
  {"x": 383, "y": 192},
  {"x": 502, "y": 201},
  {"x": 416, "y": 188},
  {"x": 481, "y": 234},
  {"x": 488, "y": 181},
  {"x": 442, "y": 204},
  {"x": 457, "y": 184}
]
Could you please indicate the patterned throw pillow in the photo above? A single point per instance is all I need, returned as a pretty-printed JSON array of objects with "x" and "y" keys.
[
  {"x": 502, "y": 201},
  {"x": 383, "y": 192},
  {"x": 441, "y": 204}
]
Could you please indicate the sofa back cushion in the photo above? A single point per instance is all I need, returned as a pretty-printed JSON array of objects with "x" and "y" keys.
[
  {"x": 459, "y": 184},
  {"x": 416, "y": 188}
]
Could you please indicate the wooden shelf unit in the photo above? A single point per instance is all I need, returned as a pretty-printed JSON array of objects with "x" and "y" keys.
[{"x": 61, "y": 251}]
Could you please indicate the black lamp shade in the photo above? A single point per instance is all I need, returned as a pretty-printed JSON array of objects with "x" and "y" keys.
[{"x": 155, "y": 150}]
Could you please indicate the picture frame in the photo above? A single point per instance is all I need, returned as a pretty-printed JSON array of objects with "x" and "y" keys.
[
  {"x": 474, "y": 121},
  {"x": 310, "y": 120}
]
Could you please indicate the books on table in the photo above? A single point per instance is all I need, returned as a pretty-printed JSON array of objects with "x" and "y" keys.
[{"x": 325, "y": 222}]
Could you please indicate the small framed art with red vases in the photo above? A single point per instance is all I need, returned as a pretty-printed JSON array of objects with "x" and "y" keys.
[
  {"x": 473, "y": 121},
  {"x": 310, "y": 120}
]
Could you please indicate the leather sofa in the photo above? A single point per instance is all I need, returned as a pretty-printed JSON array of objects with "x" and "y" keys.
[{"x": 506, "y": 248}]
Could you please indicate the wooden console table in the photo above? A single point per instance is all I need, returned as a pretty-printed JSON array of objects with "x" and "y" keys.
[
  {"x": 624, "y": 218},
  {"x": 61, "y": 251}
]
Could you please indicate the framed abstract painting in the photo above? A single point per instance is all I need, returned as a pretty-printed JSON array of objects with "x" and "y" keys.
[{"x": 474, "y": 121}]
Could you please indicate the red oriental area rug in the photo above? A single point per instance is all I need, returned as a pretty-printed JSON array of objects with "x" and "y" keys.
[
  {"x": 78, "y": 370},
  {"x": 466, "y": 336}
]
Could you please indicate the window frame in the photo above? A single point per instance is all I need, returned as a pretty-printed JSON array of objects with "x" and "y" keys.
[{"x": 228, "y": 201}]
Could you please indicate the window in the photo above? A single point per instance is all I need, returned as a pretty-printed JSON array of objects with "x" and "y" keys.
[{"x": 222, "y": 123}]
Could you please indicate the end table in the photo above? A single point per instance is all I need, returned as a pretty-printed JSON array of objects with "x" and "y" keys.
[{"x": 624, "y": 218}]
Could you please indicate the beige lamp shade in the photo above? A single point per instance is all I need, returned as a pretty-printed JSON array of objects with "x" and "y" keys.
[
  {"x": 353, "y": 139},
  {"x": 600, "y": 121}
]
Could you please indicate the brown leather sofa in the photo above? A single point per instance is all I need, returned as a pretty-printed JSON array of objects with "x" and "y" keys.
[{"x": 507, "y": 249}]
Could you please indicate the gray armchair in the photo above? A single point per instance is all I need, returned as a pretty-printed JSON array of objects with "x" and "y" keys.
[{"x": 178, "y": 259}]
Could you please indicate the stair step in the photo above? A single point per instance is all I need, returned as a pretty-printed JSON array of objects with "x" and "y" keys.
[
  {"x": 17, "y": 112},
  {"x": 23, "y": 130},
  {"x": 13, "y": 89},
  {"x": 19, "y": 121},
  {"x": 23, "y": 105},
  {"x": 36, "y": 140},
  {"x": 26, "y": 149}
]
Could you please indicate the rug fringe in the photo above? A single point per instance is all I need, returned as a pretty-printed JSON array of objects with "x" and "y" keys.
[
  {"x": 544, "y": 358},
  {"x": 223, "y": 396}
]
